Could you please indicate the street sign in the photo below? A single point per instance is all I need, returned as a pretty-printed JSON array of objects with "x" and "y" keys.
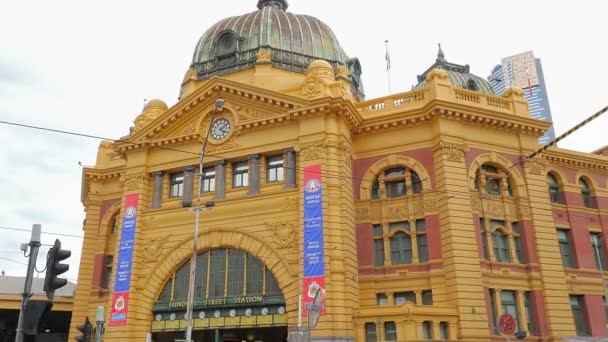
[{"x": 507, "y": 324}]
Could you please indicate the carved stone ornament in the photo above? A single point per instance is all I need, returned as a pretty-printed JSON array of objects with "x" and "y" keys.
[
  {"x": 226, "y": 146},
  {"x": 345, "y": 151},
  {"x": 362, "y": 213},
  {"x": 247, "y": 113},
  {"x": 312, "y": 151},
  {"x": 536, "y": 166},
  {"x": 342, "y": 72},
  {"x": 493, "y": 157},
  {"x": 110, "y": 152},
  {"x": 453, "y": 153},
  {"x": 191, "y": 75},
  {"x": 397, "y": 212},
  {"x": 430, "y": 205},
  {"x": 494, "y": 208},
  {"x": 313, "y": 86},
  {"x": 187, "y": 129},
  {"x": 263, "y": 56},
  {"x": 284, "y": 234},
  {"x": 524, "y": 210},
  {"x": 290, "y": 203},
  {"x": 475, "y": 204},
  {"x": 133, "y": 182},
  {"x": 153, "y": 249}
]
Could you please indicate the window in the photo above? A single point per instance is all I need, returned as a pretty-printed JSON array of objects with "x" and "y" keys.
[
  {"x": 394, "y": 181},
  {"x": 509, "y": 304},
  {"x": 563, "y": 237},
  {"x": 427, "y": 330},
  {"x": 501, "y": 246},
  {"x": 378, "y": 245},
  {"x": 401, "y": 248},
  {"x": 578, "y": 312},
  {"x": 444, "y": 331},
  {"x": 390, "y": 331},
  {"x": 370, "y": 332},
  {"x": 208, "y": 180},
  {"x": 240, "y": 174},
  {"x": 114, "y": 227},
  {"x": 554, "y": 194},
  {"x": 471, "y": 85},
  {"x": 255, "y": 276},
  {"x": 236, "y": 270},
  {"x": 484, "y": 238},
  {"x": 274, "y": 169},
  {"x": 401, "y": 298},
  {"x": 529, "y": 314},
  {"x": 496, "y": 181},
  {"x": 176, "y": 185},
  {"x": 494, "y": 314},
  {"x": 107, "y": 275},
  {"x": 202, "y": 266},
  {"x": 598, "y": 250},
  {"x": 423, "y": 253},
  {"x": 517, "y": 242},
  {"x": 218, "y": 270},
  {"x": 272, "y": 286},
  {"x": 586, "y": 193},
  {"x": 427, "y": 297},
  {"x": 381, "y": 299},
  {"x": 605, "y": 300}
]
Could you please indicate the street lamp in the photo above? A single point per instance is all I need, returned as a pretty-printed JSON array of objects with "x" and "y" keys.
[
  {"x": 219, "y": 104},
  {"x": 596, "y": 246}
]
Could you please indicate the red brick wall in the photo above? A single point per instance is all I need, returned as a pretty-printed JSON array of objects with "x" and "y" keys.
[
  {"x": 596, "y": 316},
  {"x": 365, "y": 244}
]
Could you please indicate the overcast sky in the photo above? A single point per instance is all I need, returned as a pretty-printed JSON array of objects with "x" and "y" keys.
[{"x": 87, "y": 66}]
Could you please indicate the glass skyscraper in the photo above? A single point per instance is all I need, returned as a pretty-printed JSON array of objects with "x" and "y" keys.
[{"x": 526, "y": 72}]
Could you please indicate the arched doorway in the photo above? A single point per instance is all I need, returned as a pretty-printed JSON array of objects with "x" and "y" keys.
[{"x": 237, "y": 298}]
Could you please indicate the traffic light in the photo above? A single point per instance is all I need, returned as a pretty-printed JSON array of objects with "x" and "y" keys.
[
  {"x": 86, "y": 329},
  {"x": 54, "y": 268},
  {"x": 33, "y": 314}
]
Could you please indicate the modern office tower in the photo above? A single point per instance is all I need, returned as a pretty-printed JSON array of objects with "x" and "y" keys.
[{"x": 525, "y": 71}]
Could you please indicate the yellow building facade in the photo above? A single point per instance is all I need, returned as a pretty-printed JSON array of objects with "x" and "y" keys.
[{"x": 432, "y": 223}]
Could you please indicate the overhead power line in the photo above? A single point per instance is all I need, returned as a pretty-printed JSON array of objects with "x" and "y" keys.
[{"x": 43, "y": 232}]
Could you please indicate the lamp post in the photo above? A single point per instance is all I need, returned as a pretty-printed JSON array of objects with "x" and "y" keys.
[
  {"x": 596, "y": 244},
  {"x": 219, "y": 104}
]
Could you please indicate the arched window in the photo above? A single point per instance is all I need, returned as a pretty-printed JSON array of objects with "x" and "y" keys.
[
  {"x": 396, "y": 181},
  {"x": 496, "y": 181},
  {"x": 471, "y": 85},
  {"x": 222, "y": 273},
  {"x": 501, "y": 246},
  {"x": 586, "y": 193},
  {"x": 554, "y": 194},
  {"x": 226, "y": 44}
]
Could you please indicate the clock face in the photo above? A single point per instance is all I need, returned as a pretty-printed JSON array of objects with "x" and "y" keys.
[{"x": 220, "y": 129}]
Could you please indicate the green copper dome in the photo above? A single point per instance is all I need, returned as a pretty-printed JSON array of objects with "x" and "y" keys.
[
  {"x": 459, "y": 76},
  {"x": 293, "y": 40}
]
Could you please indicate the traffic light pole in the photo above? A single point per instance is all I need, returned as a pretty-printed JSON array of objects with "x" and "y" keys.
[{"x": 27, "y": 290}]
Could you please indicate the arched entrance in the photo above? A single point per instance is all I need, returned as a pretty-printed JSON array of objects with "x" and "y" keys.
[{"x": 237, "y": 298}]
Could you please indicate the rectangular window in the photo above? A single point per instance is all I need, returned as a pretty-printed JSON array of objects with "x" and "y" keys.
[
  {"x": 598, "y": 250},
  {"x": 378, "y": 245},
  {"x": 176, "y": 185},
  {"x": 427, "y": 330},
  {"x": 494, "y": 314},
  {"x": 421, "y": 241},
  {"x": 427, "y": 297},
  {"x": 529, "y": 314},
  {"x": 208, "y": 180},
  {"x": 484, "y": 240},
  {"x": 400, "y": 298},
  {"x": 444, "y": 331},
  {"x": 202, "y": 268},
  {"x": 370, "y": 332},
  {"x": 255, "y": 276},
  {"x": 107, "y": 276},
  {"x": 165, "y": 296},
  {"x": 272, "y": 287},
  {"x": 240, "y": 174},
  {"x": 400, "y": 243},
  {"x": 381, "y": 299},
  {"x": 236, "y": 268},
  {"x": 517, "y": 242},
  {"x": 274, "y": 169},
  {"x": 509, "y": 303},
  {"x": 218, "y": 271},
  {"x": 181, "y": 283},
  {"x": 578, "y": 312},
  {"x": 390, "y": 331},
  {"x": 501, "y": 246},
  {"x": 563, "y": 237},
  {"x": 114, "y": 225}
]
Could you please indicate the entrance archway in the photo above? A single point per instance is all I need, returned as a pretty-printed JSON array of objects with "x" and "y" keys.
[{"x": 237, "y": 298}]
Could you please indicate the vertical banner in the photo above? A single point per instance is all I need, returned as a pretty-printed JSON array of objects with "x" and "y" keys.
[
  {"x": 120, "y": 299},
  {"x": 314, "y": 251}
]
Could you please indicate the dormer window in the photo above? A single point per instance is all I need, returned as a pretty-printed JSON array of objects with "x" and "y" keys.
[
  {"x": 471, "y": 85},
  {"x": 226, "y": 44}
]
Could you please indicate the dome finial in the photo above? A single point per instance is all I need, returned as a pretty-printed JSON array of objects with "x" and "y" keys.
[
  {"x": 440, "y": 54},
  {"x": 278, "y": 4}
]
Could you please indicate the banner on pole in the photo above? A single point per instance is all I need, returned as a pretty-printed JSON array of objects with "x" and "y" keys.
[
  {"x": 120, "y": 298},
  {"x": 314, "y": 251}
]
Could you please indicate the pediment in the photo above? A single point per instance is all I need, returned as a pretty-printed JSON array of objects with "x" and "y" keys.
[{"x": 189, "y": 118}]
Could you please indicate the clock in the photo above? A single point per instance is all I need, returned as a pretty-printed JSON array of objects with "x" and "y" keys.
[{"x": 220, "y": 129}]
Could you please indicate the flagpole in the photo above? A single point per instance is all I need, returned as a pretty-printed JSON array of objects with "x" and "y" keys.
[{"x": 388, "y": 67}]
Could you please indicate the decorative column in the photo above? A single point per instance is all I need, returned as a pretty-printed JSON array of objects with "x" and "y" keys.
[
  {"x": 157, "y": 197},
  {"x": 188, "y": 187},
  {"x": 290, "y": 167},
  {"x": 220, "y": 180},
  {"x": 254, "y": 175}
]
